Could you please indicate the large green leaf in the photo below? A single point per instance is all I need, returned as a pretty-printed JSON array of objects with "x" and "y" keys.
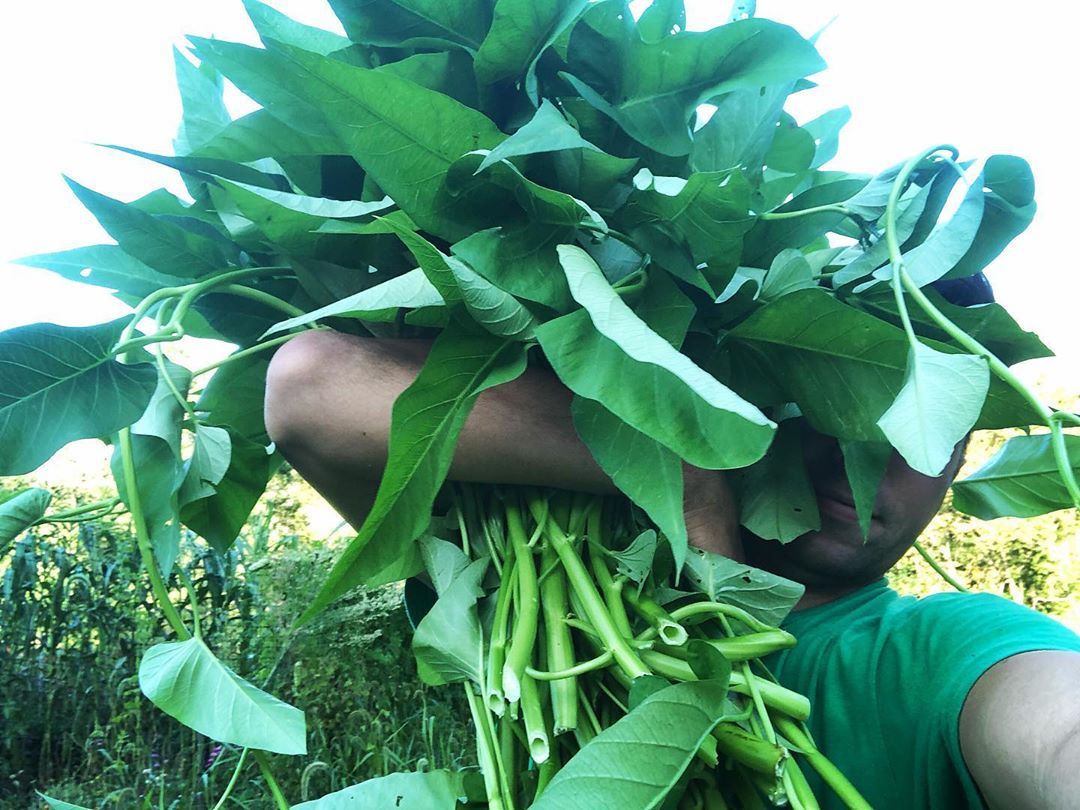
[
  {"x": 448, "y": 642},
  {"x": 740, "y": 131},
  {"x": 56, "y": 804},
  {"x": 20, "y": 511},
  {"x": 1010, "y": 207},
  {"x": 521, "y": 260},
  {"x": 61, "y": 383},
  {"x": 494, "y": 309},
  {"x": 382, "y": 302},
  {"x": 102, "y": 266},
  {"x": 610, "y": 355},
  {"x": 205, "y": 169},
  {"x": 274, "y": 27},
  {"x": 207, "y": 465},
  {"x": 201, "y": 94},
  {"x": 158, "y": 243},
  {"x": 865, "y": 464},
  {"x": 420, "y": 23},
  {"x": 1021, "y": 480},
  {"x": 234, "y": 395},
  {"x": 844, "y": 368},
  {"x": 261, "y": 134},
  {"x": 778, "y": 500},
  {"x": 221, "y": 516},
  {"x": 418, "y": 790},
  {"x": 710, "y": 211},
  {"x": 373, "y": 114},
  {"x": 662, "y": 82},
  {"x": 634, "y": 762},
  {"x": 186, "y": 681},
  {"x": 642, "y": 468},
  {"x": 942, "y": 397},
  {"x": 767, "y": 597},
  {"x": 546, "y": 131},
  {"x": 425, "y": 423}
]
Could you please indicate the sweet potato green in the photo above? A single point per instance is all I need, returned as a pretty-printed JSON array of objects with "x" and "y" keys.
[{"x": 556, "y": 183}]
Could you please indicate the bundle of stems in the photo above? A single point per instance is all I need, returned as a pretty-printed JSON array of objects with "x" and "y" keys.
[{"x": 572, "y": 643}]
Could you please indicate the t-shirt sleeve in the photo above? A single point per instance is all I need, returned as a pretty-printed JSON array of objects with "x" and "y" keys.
[{"x": 950, "y": 640}]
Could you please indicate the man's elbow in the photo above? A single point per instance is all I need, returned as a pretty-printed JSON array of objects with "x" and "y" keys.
[{"x": 293, "y": 384}]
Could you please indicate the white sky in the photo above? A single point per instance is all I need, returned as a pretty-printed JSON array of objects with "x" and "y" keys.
[{"x": 985, "y": 76}]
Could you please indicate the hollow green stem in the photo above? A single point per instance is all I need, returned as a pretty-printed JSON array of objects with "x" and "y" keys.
[
  {"x": 599, "y": 662},
  {"x": 485, "y": 751},
  {"x": 612, "y": 591},
  {"x": 264, "y": 298},
  {"x": 535, "y": 728},
  {"x": 78, "y": 512},
  {"x": 828, "y": 772},
  {"x": 743, "y": 747},
  {"x": 493, "y": 691},
  {"x": 833, "y": 208},
  {"x": 745, "y": 647},
  {"x": 142, "y": 536},
  {"x": 593, "y": 606},
  {"x": 271, "y": 782},
  {"x": 232, "y": 782},
  {"x": 558, "y": 641},
  {"x": 670, "y": 631},
  {"x": 713, "y": 608},
  {"x": 941, "y": 572},
  {"x": 527, "y": 605},
  {"x": 798, "y": 789}
]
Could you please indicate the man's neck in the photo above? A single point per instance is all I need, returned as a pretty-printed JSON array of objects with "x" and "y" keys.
[{"x": 817, "y": 595}]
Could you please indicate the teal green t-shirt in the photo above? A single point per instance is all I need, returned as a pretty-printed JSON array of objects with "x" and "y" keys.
[{"x": 887, "y": 676}]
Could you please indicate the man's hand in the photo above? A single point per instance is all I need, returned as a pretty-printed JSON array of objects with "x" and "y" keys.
[
  {"x": 712, "y": 515},
  {"x": 1020, "y": 732}
]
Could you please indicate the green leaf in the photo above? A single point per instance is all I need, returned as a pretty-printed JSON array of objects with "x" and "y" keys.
[
  {"x": 59, "y": 384},
  {"x": 103, "y": 266},
  {"x": 635, "y": 761},
  {"x": 261, "y": 134},
  {"x": 612, "y": 356},
  {"x": 431, "y": 260},
  {"x": 940, "y": 402},
  {"x": 494, "y": 309},
  {"x": 521, "y": 260},
  {"x": 56, "y": 804},
  {"x": 740, "y": 131},
  {"x": 520, "y": 32},
  {"x": 160, "y": 244},
  {"x": 418, "y": 23},
  {"x": 221, "y": 516},
  {"x": 410, "y": 290},
  {"x": 1010, "y": 207},
  {"x": 234, "y": 395},
  {"x": 708, "y": 663},
  {"x": 448, "y": 642},
  {"x": 778, "y": 500},
  {"x": 205, "y": 169},
  {"x": 710, "y": 211},
  {"x": 546, "y": 131},
  {"x": 660, "y": 20},
  {"x": 645, "y": 686},
  {"x": 636, "y": 560},
  {"x": 204, "y": 115},
  {"x": 826, "y": 132},
  {"x": 373, "y": 114},
  {"x": 642, "y": 468},
  {"x": 208, "y": 464},
  {"x": 320, "y": 207},
  {"x": 990, "y": 324},
  {"x": 20, "y": 511},
  {"x": 443, "y": 561},
  {"x": 842, "y": 367},
  {"x": 661, "y": 83},
  {"x": 419, "y": 790},
  {"x": 1021, "y": 480},
  {"x": 425, "y": 423},
  {"x": 273, "y": 27},
  {"x": 790, "y": 270},
  {"x": 186, "y": 681},
  {"x": 767, "y": 597},
  {"x": 865, "y": 464}
]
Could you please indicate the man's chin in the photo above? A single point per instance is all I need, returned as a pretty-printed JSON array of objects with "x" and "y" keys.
[{"x": 824, "y": 558}]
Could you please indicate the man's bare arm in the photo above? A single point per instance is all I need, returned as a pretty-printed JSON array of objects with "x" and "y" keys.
[
  {"x": 328, "y": 403},
  {"x": 1020, "y": 732}
]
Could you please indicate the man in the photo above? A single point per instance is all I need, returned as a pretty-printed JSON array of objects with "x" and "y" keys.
[{"x": 923, "y": 703}]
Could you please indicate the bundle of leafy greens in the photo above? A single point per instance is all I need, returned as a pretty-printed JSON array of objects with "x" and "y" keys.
[{"x": 624, "y": 201}]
